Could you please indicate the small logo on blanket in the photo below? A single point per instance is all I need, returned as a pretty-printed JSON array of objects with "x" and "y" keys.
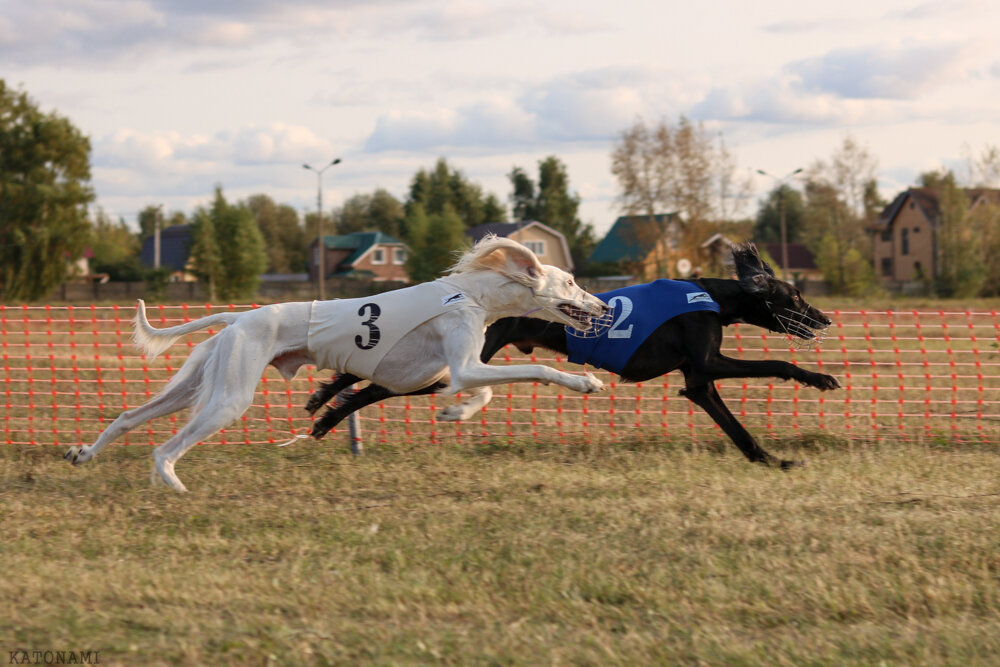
[
  {"x": 451, "y": 299},
  {"x": 698, "y": 297}
]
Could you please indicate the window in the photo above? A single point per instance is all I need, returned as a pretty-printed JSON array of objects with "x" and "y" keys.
[
  {"x": 887, "y": 235},
  {"x": 887, "y": 266},
  {"x": 399, "y": 255},
  {"x": 905, "y": 242},
  {"x": 378, "y": 256},
  {"x": 537, "y": 247},
  {"x": 916, "y": 229}
]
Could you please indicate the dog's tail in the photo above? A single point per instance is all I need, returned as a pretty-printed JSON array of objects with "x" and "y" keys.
[{"x": 154, "y": 341}]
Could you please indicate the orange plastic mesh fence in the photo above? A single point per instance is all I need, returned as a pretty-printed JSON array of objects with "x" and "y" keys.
[{"x": 68, "y": 371}]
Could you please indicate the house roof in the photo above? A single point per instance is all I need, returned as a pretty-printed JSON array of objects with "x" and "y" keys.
[
  {"x": 927, "y": 200},
  {"x": 499, "y": 228},
  {"x": 175, "y": 248},
  {"x": 507, "y": 228},
  {"x": 799, "y": 256},
  {"x": 359, "y": 243},
  {"x": 624, "y": 240}
]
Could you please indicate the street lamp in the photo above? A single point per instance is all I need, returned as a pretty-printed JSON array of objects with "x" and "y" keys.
[
  {"x": 320, "y": 246},
  {"x": 780, "y": 182}
]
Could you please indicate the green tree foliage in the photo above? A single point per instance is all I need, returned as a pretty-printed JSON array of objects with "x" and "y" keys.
[
  {"x": 284, "y": 238},
  {"x": 432, "y": 239},
  {"x": 767, "y": 226},
  {"x": 552, "y": 204},
  {"x": 379, "y": 211},
  {"x": 44, "y": 192},
  {"x": 152, "y": 215},
  {"x": 839, "y": 206},
  {"x": 443, "y": 187},
  {"x": 228, "y": 249},
  {"x": 962, "y": 264},
  {"x": 116, "y": 249}
]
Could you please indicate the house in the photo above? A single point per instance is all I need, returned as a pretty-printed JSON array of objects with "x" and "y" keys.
[
  {"x": 904, "y": 237},
  {"x": 549, "y": 244},
  {"x": 801, "y": 262},
  {"x": 644, "y": 245},
  {"x": 370, "y": 255},
  {"x": 175, "y": 252}
]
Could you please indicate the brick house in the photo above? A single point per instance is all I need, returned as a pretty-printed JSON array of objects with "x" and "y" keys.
[
  {"x": 369, "y": 255},
  {"x": 904, "y": 237},
  {"x": 549, "y": 244}
]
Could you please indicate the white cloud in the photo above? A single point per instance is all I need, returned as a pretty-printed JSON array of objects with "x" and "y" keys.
[
  {"x": 167, "y": 152},
  {"x": 883, "y": 71},
  {"x": 587, "y": 106}
]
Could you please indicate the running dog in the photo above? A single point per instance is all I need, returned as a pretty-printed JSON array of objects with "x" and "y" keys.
[
  {"x": 426, "y": 335},
  {"x": 656, "y": 328}
]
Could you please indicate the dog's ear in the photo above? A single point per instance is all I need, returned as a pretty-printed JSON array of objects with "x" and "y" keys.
[
  {"x": 515, "y": 261},
  {"x": 754, "y": 284},
  {"x": 752, "y": 271}
]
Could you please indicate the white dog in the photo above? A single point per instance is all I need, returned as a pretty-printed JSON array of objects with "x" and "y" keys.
[{"x": 404, "y": 340}]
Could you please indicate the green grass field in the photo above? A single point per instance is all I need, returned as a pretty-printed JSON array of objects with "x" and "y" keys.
[
  {"x": 629, "y": 531},
  {"x": 492, "y": 553}
]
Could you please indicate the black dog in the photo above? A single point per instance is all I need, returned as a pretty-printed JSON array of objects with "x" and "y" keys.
[{"x": 689, "y": 342}]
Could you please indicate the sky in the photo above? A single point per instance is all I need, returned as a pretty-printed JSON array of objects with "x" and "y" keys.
[{"x": 178, "y": 96}]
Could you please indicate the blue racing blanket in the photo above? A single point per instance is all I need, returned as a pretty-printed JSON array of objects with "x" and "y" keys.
[{"x": 638, "y": 311}]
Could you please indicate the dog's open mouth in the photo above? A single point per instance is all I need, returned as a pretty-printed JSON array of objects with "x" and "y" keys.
[
  {"x": 578, "y": 315},
  {"x": 805, "y": 331}
]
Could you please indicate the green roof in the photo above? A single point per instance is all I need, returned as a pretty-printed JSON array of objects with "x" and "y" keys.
[
  {"x": 359, "y": 242},
  {"x": 624, "y": 242}
]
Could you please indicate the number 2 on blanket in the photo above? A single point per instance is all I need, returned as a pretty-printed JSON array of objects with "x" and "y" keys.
[
  {"x": 373, "y": 332},
  {"x": 616, "y": 330}
]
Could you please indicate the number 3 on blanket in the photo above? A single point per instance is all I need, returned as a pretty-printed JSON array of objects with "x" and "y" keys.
[
  {"x": 373, "y": 332},
  {"x": 616, "y": 331}
]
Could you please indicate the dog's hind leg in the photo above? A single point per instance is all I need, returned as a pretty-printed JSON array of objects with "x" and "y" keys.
[
  {"x": 177, "y": 395},
  {"x": 707, "y": 398},
  {"x": 327, "y": 390},
  {"x": 221, "y": 410}
]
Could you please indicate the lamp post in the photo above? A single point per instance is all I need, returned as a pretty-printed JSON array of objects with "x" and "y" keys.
[
  {"x": 780, "y": 182},
  {"x": 320, "y": 246}
]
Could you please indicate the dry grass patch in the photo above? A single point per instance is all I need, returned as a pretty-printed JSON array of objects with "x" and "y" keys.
[{"x": 506, "y": 554}]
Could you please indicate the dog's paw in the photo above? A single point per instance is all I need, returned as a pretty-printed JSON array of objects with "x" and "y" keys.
[
  {"x": 591, "y": 384},
  {"x": 313, "y": 404},
  {"x": 454, "y": 413},
  {"x": 77, "y": 455},
  {"x": 824, "y": 382}
]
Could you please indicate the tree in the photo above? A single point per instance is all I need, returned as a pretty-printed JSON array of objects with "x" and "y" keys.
[
  {"x": 116, "y": 249},
  {"x": 552, "y": 204},
  {"x": 284, "y": 238},
  {"x": 961, "y": 237},
  {"x": 379, "y": 211},
  {"x": 433, "y": 240},
  {"x": 442, "y": 187},
  {"x": 228, "y": 249},
  {"x": 679, "y": 169},
  {"x": 839, "y": 205},
  {"x": 984, "y": 169},
  {"x": 767, "y": 227},
  {"x": 44, "y": 192}
]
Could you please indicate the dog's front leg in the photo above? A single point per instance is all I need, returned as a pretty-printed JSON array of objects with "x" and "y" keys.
[{"x": 479, "y": 398}]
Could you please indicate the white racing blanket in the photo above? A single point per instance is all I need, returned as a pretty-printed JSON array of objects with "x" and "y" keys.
[{"x": 353, "y": 335}]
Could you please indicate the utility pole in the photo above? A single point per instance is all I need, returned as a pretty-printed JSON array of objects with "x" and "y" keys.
[
  {"x": 320, "y": 246},
  {"x": 157, "y": 223},
  {"x": 780, "y": 183}
]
